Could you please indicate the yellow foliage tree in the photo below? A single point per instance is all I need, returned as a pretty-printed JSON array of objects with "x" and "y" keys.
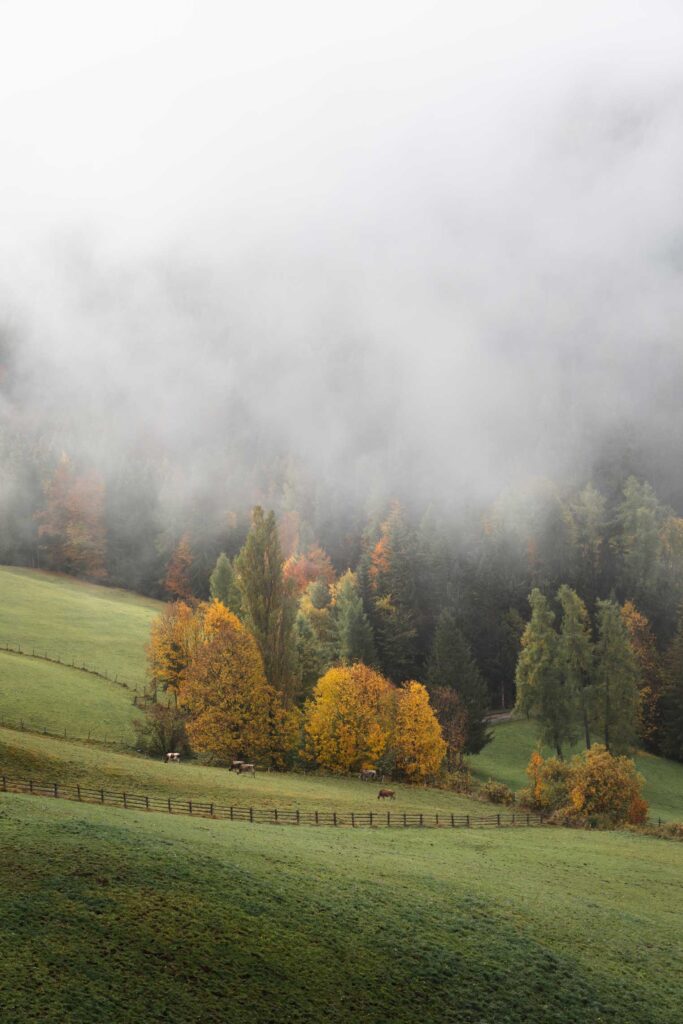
[
  {"x": 348, "y": 720},
  {"x": 232, "y": 711},
  {"x": 419, "y": 746},
  {"x": 608, "y": 786},
  {"x": 174, "y": 637}
]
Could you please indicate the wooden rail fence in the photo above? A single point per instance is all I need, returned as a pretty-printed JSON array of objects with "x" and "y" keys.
[
  {"x": 259, "y": 815},
  {"x": 30, "y": 651}
]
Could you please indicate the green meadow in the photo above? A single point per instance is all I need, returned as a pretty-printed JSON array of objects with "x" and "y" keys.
[
  {"x": 104, "y": 628},
  {"x": 120, "y": 916}
]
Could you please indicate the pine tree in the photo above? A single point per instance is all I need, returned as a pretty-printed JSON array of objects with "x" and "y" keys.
[
  {"x": 354, "y": 639},
  {"x": 268, "y": 605},
  {"x": 452, "y": 665},
  {"x": 575, "y": 653},
  {"x": 616, "y": 680},
  {"x": 223, "y": 585},
  {"x": 672, "y": 696},
  {"x": 541, "y": 690},
  {"x": 392, "y": 573},
  {"x": 651, "y": 681}
]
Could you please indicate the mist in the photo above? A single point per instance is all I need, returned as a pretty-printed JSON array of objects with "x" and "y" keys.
[{"x": 417, "y": 248}]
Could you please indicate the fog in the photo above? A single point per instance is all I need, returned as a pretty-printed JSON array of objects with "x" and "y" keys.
[{"x": 422, "y": 247}]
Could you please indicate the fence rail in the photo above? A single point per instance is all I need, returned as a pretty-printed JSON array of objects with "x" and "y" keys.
[
  {"x": 105, "y": 739},
  {"x": 260, "y": 815},
  {"x": 31, "y": 651}
]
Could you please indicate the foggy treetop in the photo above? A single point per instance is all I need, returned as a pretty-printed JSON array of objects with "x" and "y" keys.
[{"x": 416, "y": 246}]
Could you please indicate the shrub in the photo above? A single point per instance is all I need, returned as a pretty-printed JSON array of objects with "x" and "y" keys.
[
  {"x": 498, "y": 793},
  {"x": 162, "y": 730},
  {"x": 458, "y": 781},
  {"x": 549, "y": 789}
]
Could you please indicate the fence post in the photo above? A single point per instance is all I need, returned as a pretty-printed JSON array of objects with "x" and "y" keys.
[
  {"x": 275, "y": 812},
  {"x": 437, "y": 821},
  {"x": 125, "y": 804},
  {"x": 388, "y": 819},
  {"x": 334, "y": 817},
  {"x": 147, "y": 802},
  {"x": 102, "y": 795},
  {"x": 370, "y": 819},
  {"x": 316, "y": 817},
  {"x": 353, "y": 820},
  {"x": 251, "y": 814},
  {"x": 405, "y": 823},
  {"x": 468, "y": 821},
  {"x": 231, "y": 815},
  {"x": 498, "y": 817},
  {"x": 527, "y": 819},
  {"x": 421, "y": 821},
  {"x": 211, "y": 810},
  {"x": 170, "y": 811},
  {"x": 78, "y": 790},
  {"x": 452, "y": 821}
]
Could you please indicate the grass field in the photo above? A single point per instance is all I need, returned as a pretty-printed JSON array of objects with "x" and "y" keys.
[
  {"x": 119, "y": 916},
  {"x": 62, "y": 699},
  {"x": 507, "y": 756},
  {"x": 105, "y": 628}
]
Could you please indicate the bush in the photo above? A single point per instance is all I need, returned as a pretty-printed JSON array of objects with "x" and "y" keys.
[
  {"x": 595, "y": 789},
  {"x": 498, "y": 793},
  {"x": 458, "y": 781},
  {"x": 162, "y": 730}
]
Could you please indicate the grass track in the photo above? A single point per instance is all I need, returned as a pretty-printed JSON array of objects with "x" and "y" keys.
[
  {"x": 507, "y": 756},
  {"x": 118, "y": 916},
  {"x": 101, "y": 626}
]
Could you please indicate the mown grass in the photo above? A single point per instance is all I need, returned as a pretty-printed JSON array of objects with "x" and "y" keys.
[
  {"x": 507, "y": 756},
  {"x": 120, "y": 916},
  {"x": 64, "y": 700},
  {"x": 45, "y": 759},
  {"x": 106, "y": 629}
]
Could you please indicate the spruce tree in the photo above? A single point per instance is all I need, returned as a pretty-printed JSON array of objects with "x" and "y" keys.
[
  {"x": 268, "y": 606},
  {"x": 616, "y": 680},
  {"x": 452, "y": 665},
  {"x": 541, "y": 689},
  {"x": 575, "y": 654},
  {"x": 223, "y": 585},
  {"x": 354, "y": 639}
]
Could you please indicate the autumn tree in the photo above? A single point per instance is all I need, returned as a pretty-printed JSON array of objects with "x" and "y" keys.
[
  {"x": 418, "y": 744},
  {"x": 453, "y": 719},
  {"x": 392, "y": 581},
  {"x": 575, "y": 654},
  {"x": 223, "y": 584},
  {"x": 71, "y": 524},
  {"x": 177, "y": 581},
  {"x": 616, "y": 680},
  {"x": 306, "y": 568},
  {"x": 542, "y": 692},
  {"x": 650, "y": 675},
  {"x": 268, "y": 604},
  {"x": 348, "y": 721},
  {"x": 174, "y": 636},
  {"x": 452, "y": 665},
  {"x": 232, "y": 710},
  {"x": 603, "y": 785}
]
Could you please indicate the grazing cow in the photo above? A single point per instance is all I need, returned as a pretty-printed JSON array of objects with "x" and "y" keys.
[
  {"x": 171, "y": 757},
  {"x": 368, "y": 775},
  {"x": 244, "y": 767},
  {"x": 236, "y": 765},
  {"x": 386, "y": 794}
]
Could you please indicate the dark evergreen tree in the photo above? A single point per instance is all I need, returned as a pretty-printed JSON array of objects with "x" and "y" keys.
[
  {"x": 223, "y": 584},
  {"x": 354, "y": 637},
  {"x": 616, "y": 681},
  {"x": 451, "y": 665}
]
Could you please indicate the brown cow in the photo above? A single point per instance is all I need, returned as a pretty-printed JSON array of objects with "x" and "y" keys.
[
  {"x": 236, "y": 765},
  {"x": 244, "y": 767},
  {"x": 386, "y": 794},
  {"x": 368, "y": 774}
]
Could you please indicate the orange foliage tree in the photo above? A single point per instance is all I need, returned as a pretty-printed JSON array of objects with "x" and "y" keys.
[
  {"x": 348, "y": 721},
  {"x": 71, "y": 524},
  {"x": 644, "y": 647},
  {"x": 232, "y": 711},
  {"x": 418, "y": 744},
  {"x": 177, "y": 581},
  {"x": 174, "y": 636},
  {"x": 307, "y": 568},
  {"x": 454, "y": 721}
]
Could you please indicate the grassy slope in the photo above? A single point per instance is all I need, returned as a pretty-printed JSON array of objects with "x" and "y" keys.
[
  {"x": 506, "y": 758},
  {"x": 105, "y": 628},
  {"x": 44, "y": 759},
  {"x": 60, "y": 699},
  {"x": 121, "y": 916}
]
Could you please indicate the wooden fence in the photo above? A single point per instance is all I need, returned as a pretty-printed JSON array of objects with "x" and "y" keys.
[
  {"x": 104, "y": 739},
  {"x": 259, "y": 815},
  {"x": 32, "y": 652}
]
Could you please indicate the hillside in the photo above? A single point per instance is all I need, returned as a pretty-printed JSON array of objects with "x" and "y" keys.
[
  {"x": 507, "y": 756},
  {"x": 104, "y": 628},
  {"x": 124, "y": 916}
]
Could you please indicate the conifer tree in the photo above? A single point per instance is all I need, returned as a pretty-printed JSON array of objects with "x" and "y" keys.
[
  {"x": 541, "y": 689},
  {"x": 575, "y": 654},
  {"x": 452, "y": 665},
  {"x": 268, "y": 605},
  {"x": 672, "y": 696},
  {"x": 223, "y": 585},
  {"x": 616, "y": 680},
  {"x": 651, "y": 677},
  {"x": 354, "y": 638},
  {"x": 392, "y": 581}
]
